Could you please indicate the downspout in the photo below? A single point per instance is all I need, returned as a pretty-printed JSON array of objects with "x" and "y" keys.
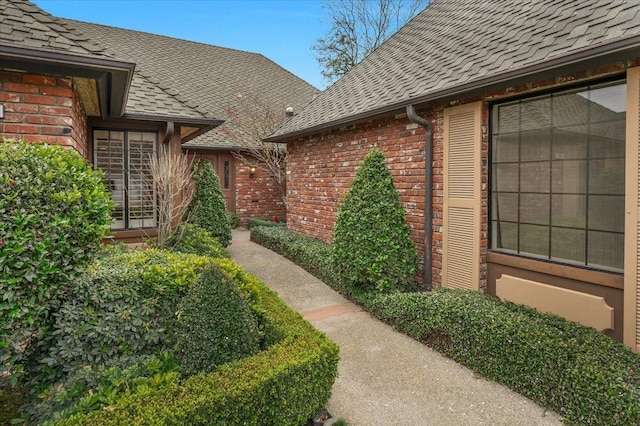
[
  {"x": 168, "y": 135},
  {"x": 428, "y": 193}
]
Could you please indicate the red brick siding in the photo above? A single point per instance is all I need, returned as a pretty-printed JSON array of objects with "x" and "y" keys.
[
  {"x": 42, "y": 108},
  {"x": 321, "y": 167},
  {"x": 257, "y": 196}
]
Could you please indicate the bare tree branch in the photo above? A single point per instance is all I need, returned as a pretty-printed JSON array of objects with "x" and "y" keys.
[
  {"x": 253, "y": 120},
  {"x": 358, "y": 27},
  {"x": 171, "y": 172}
]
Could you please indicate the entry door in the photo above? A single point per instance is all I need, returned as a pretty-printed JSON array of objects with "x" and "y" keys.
[
  {"x": 462, "y": 197},
  {"x": 224, "y": 166}
]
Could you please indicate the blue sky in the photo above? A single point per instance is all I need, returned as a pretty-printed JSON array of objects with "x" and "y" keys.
[{"x": 282, "y": 30}]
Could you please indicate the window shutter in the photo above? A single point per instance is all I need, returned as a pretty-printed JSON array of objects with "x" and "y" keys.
[
  {"x": 631, "y": 331},
  {"x": 461, "y": 201},
  {"x": 142, "y": 197},
  {"x": 108, "y": 155}
]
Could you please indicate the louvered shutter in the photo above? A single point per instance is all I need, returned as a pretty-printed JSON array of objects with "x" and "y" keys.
[
  {"x": 108, "y": 155},
  {"x": 142, "y": 197},
  {"x": 461, "y": 201},
  {"x": 631, "y": 329}
]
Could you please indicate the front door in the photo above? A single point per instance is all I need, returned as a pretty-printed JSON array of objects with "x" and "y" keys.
[{"x": 223, "y": 164}]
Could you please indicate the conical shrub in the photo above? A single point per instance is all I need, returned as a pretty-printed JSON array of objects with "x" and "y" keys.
[
  {"x": 372, "y": 247},
  {"x": 207, "y": 208}
]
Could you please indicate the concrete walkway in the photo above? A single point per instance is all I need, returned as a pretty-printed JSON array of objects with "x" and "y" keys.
[{"x": 386, "y": 378}]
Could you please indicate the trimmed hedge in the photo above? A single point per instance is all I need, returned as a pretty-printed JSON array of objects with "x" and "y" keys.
[
  {"x": 258, "y": 221},
  {"x": 311, "y": 254},
  {"x": 283, "y": 384},
  {"x": 574, "y": 370}
]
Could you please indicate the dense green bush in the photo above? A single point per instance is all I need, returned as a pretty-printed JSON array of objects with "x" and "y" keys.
[
  {"x": 234, "y": 219},
  {"x": 372, "y": 246},
  {"x": 576, "y": 371},
  {"x": 207, "y": 208},
  {"x": 55, "y": 209},
  {"x": 215, "y": 325},
  {"x": 190, "y": 238},
  {"x": 282, "y": 385},
  {"x": 111, "y": 321},
  {"x": 259, "y": 221}
]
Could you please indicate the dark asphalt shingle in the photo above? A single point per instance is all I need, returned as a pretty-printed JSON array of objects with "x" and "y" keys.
[
  {"x": 453, "y": 42},
  {"x": 205, "y": 77}
]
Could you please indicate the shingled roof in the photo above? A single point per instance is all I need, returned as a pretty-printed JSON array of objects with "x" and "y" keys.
[
  {"x": 25, "y": 25},
  {"x": 208, "y": 78},
  {"x": 456, "y": 46}
]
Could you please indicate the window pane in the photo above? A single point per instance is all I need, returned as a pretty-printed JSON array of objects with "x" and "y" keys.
[
  {"x": 607, "y": 139},
  {"x": 505, "y": 207},
  {"x": 534, "y": 208},
  {"x": 535, "y": 114},
  {"x": 508, "y": 118},
  {"x": 606, "y": 176},
  {"x": 505, "y": 236},
  {"x": 505, "y": 177},
  {"x": 534, "y": 177},
  {"x": 560, "y": 159},
  {"x": 569, "y": 177},
  {"x": 606, "y": 213},
  {"x": 534, "y": 240},
  {"x": 535, "y": 145},
  {"x": 570, "y": 109},
  {"x": 108, "y": 155},
  {"x": 142, "y": 197},
  {"x": 570, "y": 142},
  {"x": 506, "y": 148},
  {"x": 606, "y": 250},
  {"x": 226, "y": 180},
  {"x": 568, "y": 244},
  {"x": 569, "y": 211}
]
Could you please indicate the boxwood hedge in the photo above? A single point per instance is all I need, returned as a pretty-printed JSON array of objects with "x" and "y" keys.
[
  {"x": 259, "y": 221},
  {"x": 574, "y": 370},
  {"x": 283, "y": 384}
]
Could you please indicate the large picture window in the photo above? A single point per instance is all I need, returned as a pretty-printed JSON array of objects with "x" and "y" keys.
[
  {"x": 557, "y": 187},
  {"x": 124, "y": 158}
]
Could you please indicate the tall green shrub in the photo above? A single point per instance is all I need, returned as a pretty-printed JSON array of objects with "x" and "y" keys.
[
  {"x": 54, "y": 209},
  {"x": 372, "y": 247},
  {"x": 207, "y": 208}
]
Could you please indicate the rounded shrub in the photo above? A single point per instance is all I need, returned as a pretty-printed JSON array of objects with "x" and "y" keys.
[
  {"x": 114, "y": 318},
  {"x": 55, "y": 209},
  {"x": 207, "y": 208},
  {"x": 216, "y": 325},
  {"x": 190, "y": 238},
  {"x": 372, "y": 247}
]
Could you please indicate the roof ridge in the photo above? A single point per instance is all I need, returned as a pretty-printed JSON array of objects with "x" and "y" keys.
[{"x": 163, "y": 36}]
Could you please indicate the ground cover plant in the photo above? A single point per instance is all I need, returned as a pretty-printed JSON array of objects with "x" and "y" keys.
[
  {"x": 574, "y": 370},
  {"x": 372, "y": 246}
]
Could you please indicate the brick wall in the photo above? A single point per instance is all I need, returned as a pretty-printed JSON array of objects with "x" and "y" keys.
[
  {"x": 321, "y": 167},
  {"x": 42, "y": 108},
  {"x": 257, "y": 196}
]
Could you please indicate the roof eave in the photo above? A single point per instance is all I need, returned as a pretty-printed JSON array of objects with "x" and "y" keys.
[
  {"x": 203, "y": 124},
  {"x": 621, "y": 49},
  {"x": 112, "y": 76}
]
